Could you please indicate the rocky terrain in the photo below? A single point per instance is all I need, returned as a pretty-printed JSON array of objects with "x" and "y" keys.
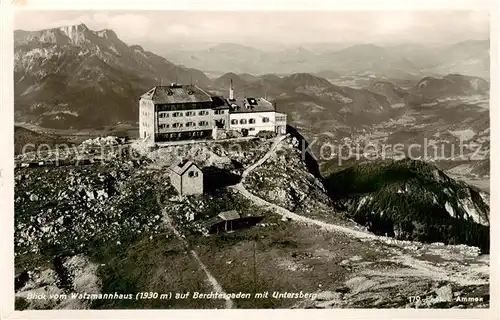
[{"x": 123, "y": 211}]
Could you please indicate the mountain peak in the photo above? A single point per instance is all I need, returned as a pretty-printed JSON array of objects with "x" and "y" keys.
[
  {"x": 232, "y": 47},
  {"x": 305, "y": 79},
  {"x": 77, "y": 27},
  {"x": 76, "y": 33},
  {"x": 365, "y": 48},
  {"x": 107, "y": 34}
]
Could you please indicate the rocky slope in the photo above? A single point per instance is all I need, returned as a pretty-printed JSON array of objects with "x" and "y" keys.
[
  {"x": 394, "y": 94},
  {"x": 76, "y": 77},
  {"x": 293, "y": 186},
  {"x": 307, "y": 98},
  {"x": 26, "y": 140},
  {"x": 452, "y": 85},
  {"x": 93, "y": 205},
  {"x": 412, "y": 200},
  {"x": 107, "y": 233}
]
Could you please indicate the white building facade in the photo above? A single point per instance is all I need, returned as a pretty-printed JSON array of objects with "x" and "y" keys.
[
  {"x": 186, "y": 112},
  {"x": 253, "y": 115},
  {"x": 180, "y": 112}
]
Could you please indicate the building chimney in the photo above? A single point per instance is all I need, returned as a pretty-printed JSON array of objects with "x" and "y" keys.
[{"x": 231, "y": 91}]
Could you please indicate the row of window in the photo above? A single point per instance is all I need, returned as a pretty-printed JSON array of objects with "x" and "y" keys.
[
  {"x": 188, "y": 113},
  {"x": 179, "y": 135},
  {"x": 186, "y": 105},
  {"x": 182, "y": 106},
  {"x": 180, "y": 125},
  {"x": 251, "y": 121},
  {"x": 280, "y": 118}
]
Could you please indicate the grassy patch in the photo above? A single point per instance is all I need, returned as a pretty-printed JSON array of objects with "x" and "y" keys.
[
  {"x": 159, "y": 265},
  {"x": 288, "y": 257}
]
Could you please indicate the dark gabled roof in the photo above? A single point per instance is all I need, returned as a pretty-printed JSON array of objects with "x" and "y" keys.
[
  {"x": 182, "y": 166},
  {"x": 223, "y": 216},
  {"x": 249, "y": 105},
  {"x": 210, "y": 222},
  {"x": 177, "y": 94},
  {"x": 227, "y": 216},
  {"x": 219, "y": 102}
]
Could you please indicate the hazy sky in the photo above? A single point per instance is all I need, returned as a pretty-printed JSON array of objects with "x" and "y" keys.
[{"x": 139, "y": 27}]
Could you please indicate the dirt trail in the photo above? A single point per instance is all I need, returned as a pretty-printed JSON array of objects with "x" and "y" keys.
[
  {"x": 211, "y": 279},
  {"x": 284, "y": 212},
  {"x": 293, "y": 216},
  {"x": 413, "y": 266}
]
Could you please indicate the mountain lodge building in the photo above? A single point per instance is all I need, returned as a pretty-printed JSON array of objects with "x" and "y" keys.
[{"x": 186, "y": 112}]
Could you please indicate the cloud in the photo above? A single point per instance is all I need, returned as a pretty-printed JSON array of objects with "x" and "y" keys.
[
  {"x": 393, "y": 23},
  {"x": 178, "y": 29}
]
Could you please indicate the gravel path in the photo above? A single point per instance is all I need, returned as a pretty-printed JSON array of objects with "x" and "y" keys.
[{"x": 464, "y": 275}]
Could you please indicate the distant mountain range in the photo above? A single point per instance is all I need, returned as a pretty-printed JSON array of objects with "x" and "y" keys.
[
  {"x": 402, "y": 61},
  {"x": 441, "y": 110},
  {"x": 308, "y": 96},
  {"x": 73, "y": 76}
]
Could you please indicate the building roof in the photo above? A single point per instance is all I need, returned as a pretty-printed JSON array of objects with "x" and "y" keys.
[
  {"x": 226, "y": 216},
  {"x": 229, "y": 215},
  {"x": 223, "y": 216},
  {"x": 177, "y": 93},
  {"x": 249, "y": 105},
  {"x": 219, "y": 102},
  {"x": 210, "y": 222},
  {"x": 182, "y": 166}
]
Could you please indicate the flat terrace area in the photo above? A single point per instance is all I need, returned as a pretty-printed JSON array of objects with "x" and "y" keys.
[{"x": 186, "y": 142}]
